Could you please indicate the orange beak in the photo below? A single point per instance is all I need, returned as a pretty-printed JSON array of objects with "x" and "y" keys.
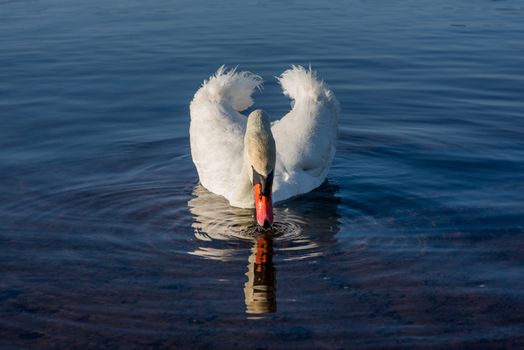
[{"x": 264, "y": 207}]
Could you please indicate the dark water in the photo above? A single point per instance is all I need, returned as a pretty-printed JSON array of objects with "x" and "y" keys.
[{"x": 416, "y": 239}]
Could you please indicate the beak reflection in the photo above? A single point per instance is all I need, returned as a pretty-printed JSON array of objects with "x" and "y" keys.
[{"x": 259, "y": 290}]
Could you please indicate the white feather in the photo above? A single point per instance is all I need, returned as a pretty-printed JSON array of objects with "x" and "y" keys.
[
  {"x": 305, "y": 138},
  {"x": 217, "y": 129}
]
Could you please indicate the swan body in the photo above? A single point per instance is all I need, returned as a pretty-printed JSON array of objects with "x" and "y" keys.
[{"x": 226, "y": 146}]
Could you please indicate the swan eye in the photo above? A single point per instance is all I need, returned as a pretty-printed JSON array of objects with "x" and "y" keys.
[{"x": 265, "y": 182}]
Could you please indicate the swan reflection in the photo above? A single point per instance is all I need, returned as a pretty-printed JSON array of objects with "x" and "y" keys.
[
  {"x": 259, "y": 290},
  {"x": 306, "y": 223},
  {"x": 304, "y": 228}
]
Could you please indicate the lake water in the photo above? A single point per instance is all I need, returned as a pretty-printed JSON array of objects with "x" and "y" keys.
[{"x": 107, "y": 240}]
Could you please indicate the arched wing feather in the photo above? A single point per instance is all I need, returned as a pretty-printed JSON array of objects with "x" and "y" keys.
[
  {"x": 306, "y": 137},
  {"x": 217, "y": 128}
]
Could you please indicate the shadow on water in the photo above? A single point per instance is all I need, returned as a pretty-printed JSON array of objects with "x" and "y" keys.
[{"x": 304, "y": 228}]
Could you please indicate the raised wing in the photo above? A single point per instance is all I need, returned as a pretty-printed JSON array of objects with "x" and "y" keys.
[
  {"x": 217, "y": 128},
  {"x": 306, "y": 137}
]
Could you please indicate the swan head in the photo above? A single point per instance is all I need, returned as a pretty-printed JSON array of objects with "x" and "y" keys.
[{"x": 260, "y": 155}]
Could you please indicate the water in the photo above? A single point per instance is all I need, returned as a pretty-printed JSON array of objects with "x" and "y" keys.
[{"x": 108, "y": 241}]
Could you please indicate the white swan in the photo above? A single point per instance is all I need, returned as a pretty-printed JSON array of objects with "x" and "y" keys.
[{"x": 250, "y": 162}]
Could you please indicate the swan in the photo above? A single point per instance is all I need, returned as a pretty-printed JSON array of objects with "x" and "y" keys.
[{"x": 251, "y": 161}]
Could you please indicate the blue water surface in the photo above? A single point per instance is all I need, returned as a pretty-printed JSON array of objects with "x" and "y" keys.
[{"x": 416, "y": 240}]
